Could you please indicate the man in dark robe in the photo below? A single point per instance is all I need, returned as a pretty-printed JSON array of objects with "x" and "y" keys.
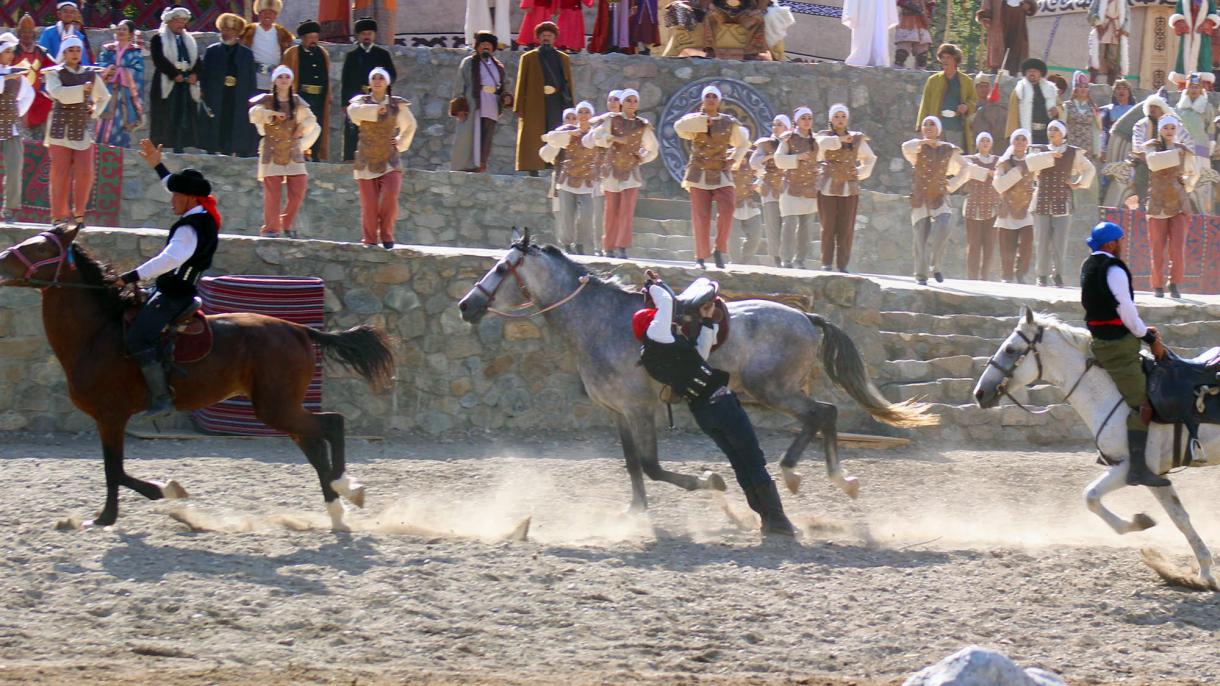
[
  {"x": 310, "y": 65},
  {"x": 357, "y": 64},
  {"x": 174, "y": 96},
  {"x": 479, "y": 99},
  {"x": 228, "y": 76},
  {"x": 1007, "y": 32},
  {"x": 543, "y": 91}
]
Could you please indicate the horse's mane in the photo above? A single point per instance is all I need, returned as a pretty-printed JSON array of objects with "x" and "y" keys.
[
  {"x": 1075, "y": 335},
  {"x": 93, "y": 272},
  {"x": 611, "y": 280}
]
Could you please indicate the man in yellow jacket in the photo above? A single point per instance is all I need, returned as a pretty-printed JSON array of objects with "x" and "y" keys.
[{"x": 949, "y": 95}]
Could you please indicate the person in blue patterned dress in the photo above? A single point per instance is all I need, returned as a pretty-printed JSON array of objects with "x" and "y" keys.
[{"x": 125, "y": 77}]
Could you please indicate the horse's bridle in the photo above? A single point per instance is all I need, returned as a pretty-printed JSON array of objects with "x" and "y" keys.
[
  {"x": 529, "y": 299},
  {"x": 1032, "y": 347},
  {"x": 64, "y": 256}
]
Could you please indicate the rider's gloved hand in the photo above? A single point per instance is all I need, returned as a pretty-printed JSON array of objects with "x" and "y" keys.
[
  {"x": 1151, "y": 335},
  {"x": 128, "y": 278}
]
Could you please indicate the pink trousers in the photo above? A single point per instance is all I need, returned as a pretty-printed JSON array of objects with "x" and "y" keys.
[
  {"x": 379, "y": 207},
  {"x": 1169, "y": 233},
  {"x": 620, "y": 211},
  {"x": 71, "y": 181},
  {"x": 701, "y": 219},
  {"x": 273, "y": 220}
]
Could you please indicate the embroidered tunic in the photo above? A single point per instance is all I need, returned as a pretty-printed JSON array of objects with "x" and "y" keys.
[
  {"x": 281, "y": 152},
  {"x": 71, "y": 122}
]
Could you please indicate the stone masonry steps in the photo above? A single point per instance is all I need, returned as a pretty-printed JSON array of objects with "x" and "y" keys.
[{"x": 948, "y": 301}]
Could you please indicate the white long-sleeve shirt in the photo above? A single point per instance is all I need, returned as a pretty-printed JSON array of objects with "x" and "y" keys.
[
  {"x": 1120, "y": 288},
  {"x": 175, "y": 253},
  {"x": 25, "y": 96},
  {"x": 661, "y": 328}
]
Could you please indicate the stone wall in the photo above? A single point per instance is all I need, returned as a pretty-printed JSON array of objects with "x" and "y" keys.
[
  {"x": 513, "y": 374},
  {"x": 435, "y": 208}
]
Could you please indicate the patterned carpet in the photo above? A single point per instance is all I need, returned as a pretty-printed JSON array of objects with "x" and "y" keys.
[
  {"x": 104, "y": 201},
  {"x": 1202, "y": 255}
]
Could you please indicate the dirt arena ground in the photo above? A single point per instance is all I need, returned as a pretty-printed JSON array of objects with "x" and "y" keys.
[{"x": 943, "y": 549}]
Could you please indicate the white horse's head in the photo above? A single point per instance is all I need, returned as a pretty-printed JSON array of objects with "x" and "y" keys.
[{"x": 1018, "y": 361}]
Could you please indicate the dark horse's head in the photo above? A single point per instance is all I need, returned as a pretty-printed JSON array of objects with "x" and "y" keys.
[{"x": 40, "y": 260}]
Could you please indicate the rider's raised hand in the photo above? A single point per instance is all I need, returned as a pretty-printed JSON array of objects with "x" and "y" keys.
[{"x": 150, "y": 152}]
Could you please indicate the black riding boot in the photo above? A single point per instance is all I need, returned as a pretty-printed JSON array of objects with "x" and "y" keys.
[
  {"x": 1138, "y": 473},
  {"x": 158, "y": 402},
  {"x": 767, "y": 503}
]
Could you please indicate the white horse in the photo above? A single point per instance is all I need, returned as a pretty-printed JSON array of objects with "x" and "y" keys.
[{"x": 1042, "y": 347}]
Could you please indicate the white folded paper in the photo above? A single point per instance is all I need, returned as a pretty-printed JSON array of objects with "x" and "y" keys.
[{"x": 977, "y": 173}]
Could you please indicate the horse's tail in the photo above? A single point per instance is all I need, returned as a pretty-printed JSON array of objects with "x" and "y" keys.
[
  {"x": 846, "y": 368},
  {"x": 364, "y": 349}
]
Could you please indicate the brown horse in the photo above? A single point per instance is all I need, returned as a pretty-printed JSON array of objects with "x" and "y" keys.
[{"x": 267, "y": 359}]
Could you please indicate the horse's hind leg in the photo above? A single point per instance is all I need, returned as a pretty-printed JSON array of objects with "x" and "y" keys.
[
  {"x": 332, "y": 427},
  {"x": 815, "y": 418},
  {"x": 315, "y": 451},
  {"x": 281, "y": 409},
  {"x": 1169, "y": 500}
]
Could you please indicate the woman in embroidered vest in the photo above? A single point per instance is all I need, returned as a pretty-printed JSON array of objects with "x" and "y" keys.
[
  {"x": 80, "y": 96},
  {"x": 1061, "y": 169},
  {"x": 934, "y": 160},
  {"x": 1083, "y": 118},
  {"x": 718, "y": 141},
  {"x": 614, "y": 107},
  {"x": 1014, "y": 181},
  {"x": 746, "y": 212},
  {"x": 575, "y": 181},
  {"x": 797, "y": 155},
  {"x": 16, "y": 97},
  {"x": 386, "y": 128},
  {"x": 1171, "y": 177},
  {"x": 846, "y": 160},
  {"x": 288, "y": 128},
  {"x": 982, "y": 204},
  {"x": 126, "y": 108},
  {"x": 629, "y": 141},
  {"x": 771, "y": 183}
]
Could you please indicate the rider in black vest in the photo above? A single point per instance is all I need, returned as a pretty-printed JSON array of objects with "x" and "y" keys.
[
  {"x": 680, "y": 363},
  {"x": 1109, "y": 307},
  {"x": 176, "y": 269}
]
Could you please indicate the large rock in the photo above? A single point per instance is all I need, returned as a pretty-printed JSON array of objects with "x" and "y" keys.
[{"x": 976, "y": 666}]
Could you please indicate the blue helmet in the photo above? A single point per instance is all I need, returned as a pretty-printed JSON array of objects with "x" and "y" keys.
[{"x": 1103, "y": 233}]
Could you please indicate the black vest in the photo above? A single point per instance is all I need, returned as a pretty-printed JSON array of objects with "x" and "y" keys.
[
  {"x": 181, "y": 281},
  {"x": 1039, "y": 116},
  {"x": 1099, "y": 303},
  {"x": 680, "y": 366}
]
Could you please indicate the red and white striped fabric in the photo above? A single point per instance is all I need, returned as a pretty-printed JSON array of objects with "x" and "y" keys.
[{"x": 295, "y": 299}]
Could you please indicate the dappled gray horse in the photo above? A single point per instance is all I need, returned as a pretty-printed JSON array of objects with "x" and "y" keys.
[{"x": 770, "y": 354}]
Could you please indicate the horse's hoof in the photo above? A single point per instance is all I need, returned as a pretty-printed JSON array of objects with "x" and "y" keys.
[
  {"x": 1209, "y": 581},
  {"x": 713, "y": 481},
  {"x": 1141, "y": 522},
  {"x": 172, "y": 490},
  {"x": 851, "y": 486},
  {"x": 791, "y": 479},
  {"x": 356, "y": 497}
]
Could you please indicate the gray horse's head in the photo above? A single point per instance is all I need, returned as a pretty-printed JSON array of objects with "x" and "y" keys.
[
  {"x": 527, "y": 273},
  {"x": 1014, "y": 363}
]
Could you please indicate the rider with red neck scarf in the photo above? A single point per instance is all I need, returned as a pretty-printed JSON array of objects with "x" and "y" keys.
[
  {"x": 188, "y": 252},
  {"x": 681, "y": 363}
]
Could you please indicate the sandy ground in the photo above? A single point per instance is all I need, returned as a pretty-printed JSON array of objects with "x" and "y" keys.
[{"x": 944, "y": 548}]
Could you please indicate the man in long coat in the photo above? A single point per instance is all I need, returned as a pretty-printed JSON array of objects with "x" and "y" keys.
[
  {"x": 267, "y": 39},
  {"x": 1193, "y": 22},
  {"x": 543, "y": 91},
  {"x": 950, "y": 90},
  {"x": 228, "y": 77},
  {"x": 174, "y": 96},
  {"x": 310, "y": 65},
  {"x": 357, "y": 64},
  {"x": 478, "y": 103},
  {"x": 1006, "y": 31}
]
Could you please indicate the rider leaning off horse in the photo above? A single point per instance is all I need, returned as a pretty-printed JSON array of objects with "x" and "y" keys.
[
  {"x": 679, "y": 362},
  {"x": 188, "y": 252},
  {"x": 1107, "y": 296}
]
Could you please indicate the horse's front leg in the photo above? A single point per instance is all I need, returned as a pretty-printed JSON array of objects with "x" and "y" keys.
[
  {"x": 1169, "y": 500},
  {"x": 1114, "y": 479},
  {"x": 631, "y": 454},
  {"x": 644, "y": 439},
  {"x": 112, "y": 435}
]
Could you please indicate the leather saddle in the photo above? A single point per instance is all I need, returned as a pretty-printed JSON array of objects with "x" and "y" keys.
[
  {"x": 686, "y": 309},
  {"x": 1185, "y": 393},
  {"x": 188, "y": 338}
]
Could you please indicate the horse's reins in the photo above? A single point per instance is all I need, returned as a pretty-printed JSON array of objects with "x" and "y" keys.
[
  {"x": 529, "y": 300},
  {"x": 1032, "y": 347}
]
